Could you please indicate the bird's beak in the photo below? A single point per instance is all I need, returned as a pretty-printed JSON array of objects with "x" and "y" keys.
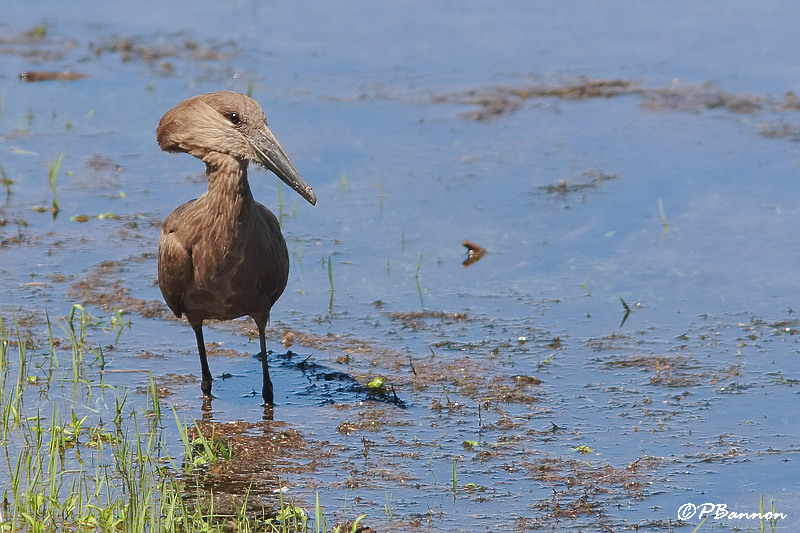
[{"x": 271, "y": 155}]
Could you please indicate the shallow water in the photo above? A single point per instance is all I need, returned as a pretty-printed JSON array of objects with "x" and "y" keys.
[{"x": 675, "y": 197}]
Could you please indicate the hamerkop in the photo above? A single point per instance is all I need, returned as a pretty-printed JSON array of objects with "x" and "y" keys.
[{"x": 222, "y": 256}]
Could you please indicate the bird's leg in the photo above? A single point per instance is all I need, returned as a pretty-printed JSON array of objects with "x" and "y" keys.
[
  {"x": 205, "y": 383},
  {"x": 266, "y": 389}
]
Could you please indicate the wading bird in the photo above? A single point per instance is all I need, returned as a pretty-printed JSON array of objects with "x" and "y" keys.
[{"x": 222, "y": 255}]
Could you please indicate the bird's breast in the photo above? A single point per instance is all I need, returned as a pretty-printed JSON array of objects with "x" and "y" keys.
[{"x": 238, "y": 272}]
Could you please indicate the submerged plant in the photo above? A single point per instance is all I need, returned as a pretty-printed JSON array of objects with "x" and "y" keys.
[
  {"x": 330, "y": 281},
  {"x": 117, "y": 323},
  {"x": 416, "y": 278},
  {"x": 52, "y": 172},
  {"x": 664, "y": 223},
  {"x": 627, "y": 312},
  {"x": 6, "y": 182},
  {"x": 455, "y": 479}
]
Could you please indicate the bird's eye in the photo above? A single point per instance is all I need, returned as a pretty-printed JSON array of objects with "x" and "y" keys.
[{"x": 233, "y": 116}]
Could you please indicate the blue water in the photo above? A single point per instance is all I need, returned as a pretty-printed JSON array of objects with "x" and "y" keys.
[{"x": 351, "y": 90}]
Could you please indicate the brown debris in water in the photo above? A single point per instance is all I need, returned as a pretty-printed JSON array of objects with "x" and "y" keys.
[
  {"x": 257, "y": 458},
  {"x": 526, "y": 380},
  {"x": 580, "y": 484},
  {"x": 791, "y": 327},
  {"x": 99, "y": 163},
  {"x": 369, "y": 419},
  {"x": 609, "y": 342},
  {"x": 104, "y": 287},
  {"x": 30, "y": 76},
  {"x": 580, "y": 89},
  {"x": 346, "y": 346},
  {"x": 260, "y": 455},
  {"x": 135, "y": 49},
  {"x": 470, "y": 376},
  {"x": 416, "y": 319},
  {"x": 37, "y": 46},
  {"x": 505, "y": 99},
  {"x": 670, "y": 371},
  {"x": 288, "y": 339},
  {"x": 780, "y": 130},
  {"x": 474, "y": 252},
  {"x": 501, "y": 100},
  {"x": 589, "y": 179},
  {"x": 165, "y": 384}
]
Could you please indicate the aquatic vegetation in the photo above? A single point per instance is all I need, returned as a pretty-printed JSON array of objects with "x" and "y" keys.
[
  {"x": 416, "y": 280},
  {"x": 52, "y": 172},
  {"x": 627, "y": 312},
  {"x": 330, "y": 281},
  {"x": 663, "y": 215},
  {"x": 6, "y": 182},
  {"x": 77, "y": 456}
]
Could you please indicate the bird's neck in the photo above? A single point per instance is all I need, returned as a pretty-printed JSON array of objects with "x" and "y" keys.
[{"x": 227, "y": 181}]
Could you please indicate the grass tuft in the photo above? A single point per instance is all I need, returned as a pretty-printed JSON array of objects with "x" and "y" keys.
[{"x": 78, "y": 457}]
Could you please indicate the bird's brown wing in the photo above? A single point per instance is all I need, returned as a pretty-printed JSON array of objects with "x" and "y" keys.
[
  {"x": 272, "y": 256},
  {"x": 175, "y": 266}
]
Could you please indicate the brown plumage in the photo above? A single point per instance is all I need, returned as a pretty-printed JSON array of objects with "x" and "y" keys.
[{"x": 222, "y": 256}]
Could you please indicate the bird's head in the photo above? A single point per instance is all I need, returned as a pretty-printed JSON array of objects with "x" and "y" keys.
[{"x": 226, "y": 123}]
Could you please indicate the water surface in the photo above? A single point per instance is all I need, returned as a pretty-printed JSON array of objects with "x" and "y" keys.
[{"x": 675, "y": 197}]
